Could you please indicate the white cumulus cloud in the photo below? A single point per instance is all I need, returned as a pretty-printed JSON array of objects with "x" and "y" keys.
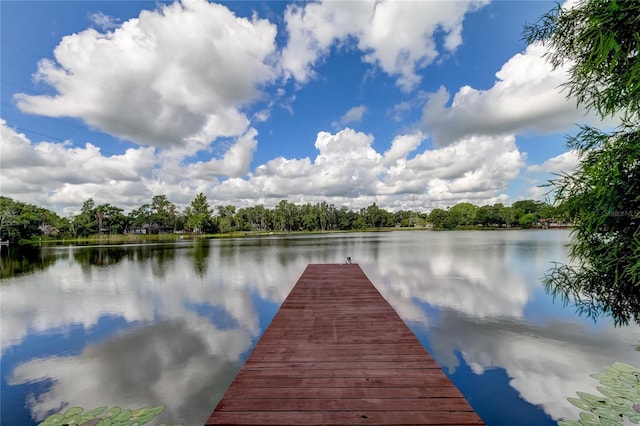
[
  {"x": 167, "y": 78},
  {"x": 60, "y": 176},
  {"x": 527, "y": 96},
  {"x": 474, "y": 169},
  {"x": 398, "y": 37},
  {"x": 47, "y": 173},
  {"x": 347, "y": 170},
  {"x": 564, "y": 162}
]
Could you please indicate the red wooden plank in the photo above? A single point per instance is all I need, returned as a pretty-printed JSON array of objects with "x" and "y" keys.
[
  {"x": 334, "y": 404},
  {"x": 341, "y": 365},
  {"x": 396, "y": 348},
  {"x": 337, "y": 353},
  {"x": 340, "y": 393},
  {"x": 353, "y": 382},
  {"x": 310, "y": 357},
  {"x": 346, "y": 417},
  {"x": 307, "y": 373}
]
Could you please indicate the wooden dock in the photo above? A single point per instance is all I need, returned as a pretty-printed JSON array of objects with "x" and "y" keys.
[{"x": 337, "y": 353}]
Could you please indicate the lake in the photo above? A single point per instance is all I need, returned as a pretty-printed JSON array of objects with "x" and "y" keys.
[{"x": 171, "y": 324}]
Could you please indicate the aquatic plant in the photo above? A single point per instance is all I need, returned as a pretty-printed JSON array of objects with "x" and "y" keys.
[
  {"x": 104, "y": 416},
  {"x": 619, "y": 402}
]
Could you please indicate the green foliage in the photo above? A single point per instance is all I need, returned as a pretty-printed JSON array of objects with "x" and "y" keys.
[
  {"x": 376, "y": 217},
  {"x": 523, "y": 207},
  {"x": 486, "y": 216},
  {"x": 620, "y": 389},
  {"x": 438, "y": 218},
  {"x": 164, "y": 212},
  {"x": 22, "y": 221},
  {"x": 104, "y": 416},
  {"x": 199, "y": 214},
  {"x": 110, "y": 219},
  {"x": 462, "y": 214},
  {"x": 527, "y": 220},
  {"x": 604, "y": 194},
  {"x": 141, "y": 216},
  {"x": 525, "y": 213},
  {"x": 106, "y": 222},
  {"x": 85, "y": 223},
  {"x": 599, "y": 40}
]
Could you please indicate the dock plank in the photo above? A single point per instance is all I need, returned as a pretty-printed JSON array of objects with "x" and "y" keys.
[
  {"x": 337, "y": 353},
  {"x": 339, "y": 393}
]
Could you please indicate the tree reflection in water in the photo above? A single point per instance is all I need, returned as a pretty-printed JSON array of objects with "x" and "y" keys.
[{"x": 21, "y": 260}]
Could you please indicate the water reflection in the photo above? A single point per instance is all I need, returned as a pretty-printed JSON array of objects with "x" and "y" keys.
[
  {"x": 546, "y": 363},
  {"x": 185, "y": 315},
  {"x": 99, "y": 256},
  {"x": 469, "y": 297},
  {"x": 16, "y": 261},
  {"x": 168, "y": 362},
  {"x": 200, "y": 254}
]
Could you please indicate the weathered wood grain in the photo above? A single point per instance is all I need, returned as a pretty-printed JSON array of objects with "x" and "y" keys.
[{"x": 337, "y": 353}]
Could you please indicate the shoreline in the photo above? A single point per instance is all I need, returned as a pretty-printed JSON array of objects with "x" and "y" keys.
[{"x": 116, "y": 239}]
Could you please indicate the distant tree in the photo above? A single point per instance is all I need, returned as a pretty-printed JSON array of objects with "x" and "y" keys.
[
  {"x": 85, "y": 223},
  {"x": 498, "y": 214},
  {"x": 111, "y": 215},
  {"x": 198, "y": 213},
  {"x": 562, "y": 213},
  {"x": 259, "y": 217},
  {"x": 438, "y": 218},
  {"x": 226, "y": 219},
  {"x": 527, "y": 220},
  {"x": 9, "y": 211},
  {"x": 163, "y": 212},
  {"x": 309, "y": 217},
  {"x": 546, "y": 211},
  {"x": 244, "y": 219},
  {"x": 490, "y": 215},
  {"x": 523, "y": 207},
  {"x": 463, "y": 214},
  {"x": 20, "y": 220},
  {"x": 508, "y": 216},
  {"x": 29, "y": 221},
  {"x": 374, "y": 216},
  {"x": 484, "y": 216},
  {"x": 599, "y": 41},
  {"x": 292, "y": 214},
  {"x": 141, "y": 216},
  {"x": 345, "y": 218},
  {"x": 280, "y": 216}
]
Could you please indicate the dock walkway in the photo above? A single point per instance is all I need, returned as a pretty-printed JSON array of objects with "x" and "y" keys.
[{"x": 337, "y": 353}]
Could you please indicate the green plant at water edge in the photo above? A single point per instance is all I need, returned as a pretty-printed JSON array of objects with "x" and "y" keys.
[
  {"x": 598, "y": 42},
  {"x": 620, "y": 399},
  {"x": 603, "y": 194},
  {"x": 104, "y": 416}
]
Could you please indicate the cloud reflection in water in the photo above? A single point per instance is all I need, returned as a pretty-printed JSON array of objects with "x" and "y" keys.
[{"x": 198, "y": 310}]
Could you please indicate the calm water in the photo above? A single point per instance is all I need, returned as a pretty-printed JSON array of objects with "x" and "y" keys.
[{"x": 143, "y": 325}]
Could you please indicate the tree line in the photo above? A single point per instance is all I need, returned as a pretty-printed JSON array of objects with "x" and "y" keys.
[{"x": 20, "y": 220}]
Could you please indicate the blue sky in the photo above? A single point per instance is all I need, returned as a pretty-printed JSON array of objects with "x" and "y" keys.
[{"x": 412, "y": 105}]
